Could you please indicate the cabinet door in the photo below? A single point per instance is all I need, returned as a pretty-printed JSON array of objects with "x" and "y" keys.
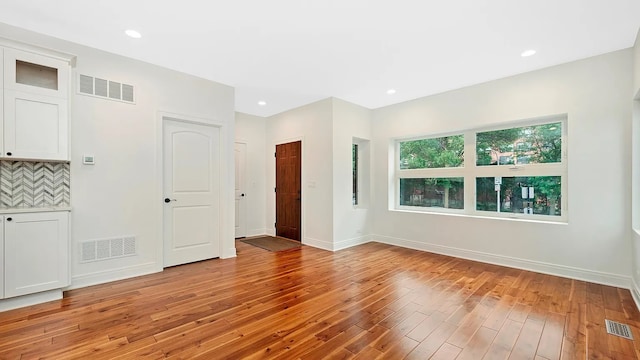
[
  {"x": 2, "y": 257},
  {"x": 34, "y": 73},
  {"x": 1, "y": 99},
  {"x": 35, "y": 126},
  {"x": 36, "y": 252}
]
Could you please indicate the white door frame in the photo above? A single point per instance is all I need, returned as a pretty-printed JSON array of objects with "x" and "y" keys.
[
  {"x": 226, "y": 181},
  {"x": 243, "y": 210}
]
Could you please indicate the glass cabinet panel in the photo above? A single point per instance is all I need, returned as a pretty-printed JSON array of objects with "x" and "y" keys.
[{"x": 36, "y": 75}]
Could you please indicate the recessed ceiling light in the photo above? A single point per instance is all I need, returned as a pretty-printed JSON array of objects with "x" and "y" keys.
[
  {"x": 527, "y": 53},
  {"x": 262, "y": 103},
  {"x": 391, "y": 91},
  {"x": 134, "y": 34}
]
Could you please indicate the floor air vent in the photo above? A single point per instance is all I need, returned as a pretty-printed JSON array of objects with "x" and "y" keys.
[
  {"x": 106, "y": 89},
  {"x": 618, "y": 329},
  {"x": 103, "y": 249}
]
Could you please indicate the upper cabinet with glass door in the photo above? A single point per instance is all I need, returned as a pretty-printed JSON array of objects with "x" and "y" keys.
[
  {"x": 34, "y": 73},
  {"x": 35, "y": 116}
]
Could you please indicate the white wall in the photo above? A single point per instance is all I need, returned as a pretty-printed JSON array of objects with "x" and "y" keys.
[
  {"x": 351, "y": 225},
  {"x": 636, "y": 67},
  {"x": 594, "y": 244},
  {"x": 121, "y": 194},
  {"x": 312, "y": 125},
  {"x": 635, "y": 151},
  {"x": 251, "y": 130}
]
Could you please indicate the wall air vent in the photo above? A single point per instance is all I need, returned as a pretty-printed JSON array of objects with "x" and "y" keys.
[
  {"x": 86, "y": 84},
  {"x": 114, "y": 90},
  {"x": 106, "y": 89},
  {"x": 102, "y": 87},
  {"x": 127, "y": 92},
  {"x": 103, "y": 249}
]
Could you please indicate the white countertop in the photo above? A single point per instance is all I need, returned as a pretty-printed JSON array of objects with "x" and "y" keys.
[{"x": 33, "y": 209}]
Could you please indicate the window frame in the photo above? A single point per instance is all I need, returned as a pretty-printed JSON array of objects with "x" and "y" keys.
[
  {"x": 355, "y": 174},
  {"x": 470, "y": 171},
  {"x": 444, "y": 172}
]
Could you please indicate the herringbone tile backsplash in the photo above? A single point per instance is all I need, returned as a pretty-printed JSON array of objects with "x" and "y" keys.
[{"x": 25, "y": 184}]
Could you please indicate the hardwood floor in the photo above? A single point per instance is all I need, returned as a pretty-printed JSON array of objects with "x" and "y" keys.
[{"x": 370, "y": 301}]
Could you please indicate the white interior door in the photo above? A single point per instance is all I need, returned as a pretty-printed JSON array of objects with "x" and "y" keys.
[
  {"x": 191, "y": 165},
  {"x": 241, "y": 221}
]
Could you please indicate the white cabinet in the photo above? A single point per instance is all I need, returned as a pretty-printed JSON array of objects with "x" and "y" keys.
[
  {"x": 2, "y": 265},
  {"x": 35, "y": 126},
  {"x": 1, "y": 105},
  {"x": 36, "y": 74},
  {"x": 36, "y": 252},
  {"x": 35, "y": 106}
]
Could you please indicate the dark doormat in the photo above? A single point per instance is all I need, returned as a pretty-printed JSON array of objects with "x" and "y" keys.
[{"x": 272, "y": 243}]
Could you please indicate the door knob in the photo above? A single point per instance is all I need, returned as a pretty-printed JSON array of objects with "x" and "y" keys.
[{"x": 167, "y": 200}]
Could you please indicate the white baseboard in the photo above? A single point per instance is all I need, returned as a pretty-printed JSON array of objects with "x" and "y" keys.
[
  {"x": 31, "y": 299},
  {"x": 320, "y": 244},
  {"x": 344, "y": 244},
  {"x": 635, "y": 292},
  {"x": 338, "y": 245},
  {"x": 229, "y": 253},
  {"x": 524, "y": 264},
  {"x": 256, "y": 232},
  {"x": 102, "y": 277}
]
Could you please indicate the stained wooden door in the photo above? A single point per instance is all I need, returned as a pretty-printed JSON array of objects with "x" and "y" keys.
[
  {"x": 288, "y": 190},
  {"x": 191, "y": 188}
]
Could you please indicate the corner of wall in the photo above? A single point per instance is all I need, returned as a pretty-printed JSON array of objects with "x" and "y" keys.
[
  {"x": 636, "y": 67},
  {"x": 635, "y": 293}
]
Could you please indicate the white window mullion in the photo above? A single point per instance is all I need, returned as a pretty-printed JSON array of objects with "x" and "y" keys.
[{"x": 469, "y": 172}]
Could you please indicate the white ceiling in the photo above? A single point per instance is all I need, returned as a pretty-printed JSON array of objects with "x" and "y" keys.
[{"x": 292, "y": 52}]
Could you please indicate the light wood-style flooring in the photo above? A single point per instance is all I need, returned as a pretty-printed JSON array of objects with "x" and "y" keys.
[{"x": 367, "y": 302}]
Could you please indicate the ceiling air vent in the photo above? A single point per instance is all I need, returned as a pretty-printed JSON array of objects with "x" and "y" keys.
[{"x": 106, "y": 89}]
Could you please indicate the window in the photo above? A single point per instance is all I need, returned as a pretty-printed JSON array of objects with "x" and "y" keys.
[
  {"x": 538, "y": 144},
  {"x": 433, "y": 192},
  {"x": 517, "y": 171},
  {"x": 360, "y": 173},
  {"x": 432, "y": 153},
  {"x": 429, "y": 172},
  {"x": 354, "y": 171},
  {"x": 538, "y": 195}
]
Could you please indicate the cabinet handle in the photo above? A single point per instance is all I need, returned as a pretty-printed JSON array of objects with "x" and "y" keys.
[
  {"x": 9, "y": 219},
  {"x": 9, "y": 153}
]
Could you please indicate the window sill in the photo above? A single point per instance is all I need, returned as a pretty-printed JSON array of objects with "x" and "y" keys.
[{"x": 537, "y": 220}]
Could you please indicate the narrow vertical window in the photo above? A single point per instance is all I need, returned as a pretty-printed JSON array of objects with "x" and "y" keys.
[{"x": 354, "y": 169}]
